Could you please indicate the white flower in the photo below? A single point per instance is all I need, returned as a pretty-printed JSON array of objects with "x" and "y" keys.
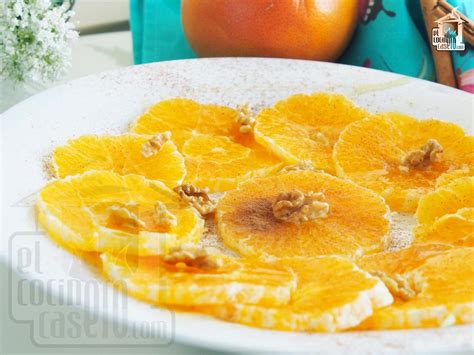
[{"x": 35, "y": 40}]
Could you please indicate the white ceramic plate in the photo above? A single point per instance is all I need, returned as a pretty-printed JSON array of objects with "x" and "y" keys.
[{"x": 106, "y": 103}]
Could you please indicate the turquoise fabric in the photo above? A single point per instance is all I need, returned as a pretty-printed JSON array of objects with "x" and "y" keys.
[
  {"x": 388, "y": 38},
  {"x": 157, "y": 31}
]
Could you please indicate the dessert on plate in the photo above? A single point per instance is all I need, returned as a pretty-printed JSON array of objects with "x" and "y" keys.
[{"x": 292, "y": 217}]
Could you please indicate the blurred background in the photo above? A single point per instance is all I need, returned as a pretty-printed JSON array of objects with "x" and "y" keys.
[
  {"x": 105, "y": 40},
  {"x": 104, "y": 43},
  {"x": 391, "y": 35}
]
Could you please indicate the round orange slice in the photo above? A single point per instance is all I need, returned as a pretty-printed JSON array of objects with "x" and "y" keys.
[
  {"x": 217, "y": 154},
  {"x": 446, "y": 199},
  {"x": 122, "y": 154},
  {"x": 401, "y": 157},
  {"x": 446, "y": 215},
  {"x": 223, "y": 150},
  {"x": 400, "y": 261},
  {"x": 104, "y": 211},
  {"x": 306, "y": 127},
  {"x": 453, "y": 229},
  {"x": 184, "y": 117},
  {"x": 355, "y": 219},
  {"x": 236, "y": 280},
  {"x": 449, "y": 176},
  {"x": 443, "y": 289},
  {"x": 220, "y": 164},
  {"x": 332, "y": 294}
]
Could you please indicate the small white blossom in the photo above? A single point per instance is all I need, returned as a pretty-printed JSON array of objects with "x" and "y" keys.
[{"x": 35, "y": 40}]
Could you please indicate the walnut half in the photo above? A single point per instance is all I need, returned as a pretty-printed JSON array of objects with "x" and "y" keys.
[
  {"x": 297, "y": 207},
  {"x": 196, "y": 197},
  {"x": 300, "y": 166},
  {"x": 154, "y": 145},
  {"x": 399, "y": 285},
  {"x": 194, "y": 256},
  {"x": 122, "y": 217},
  {"x": 245, "y": 118},
  {"x": 422, "y": 157},
  {"x": 164, "y": 217}
]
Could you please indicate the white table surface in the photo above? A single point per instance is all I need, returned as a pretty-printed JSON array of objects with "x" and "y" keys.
[{"x": 91, "y": 54}]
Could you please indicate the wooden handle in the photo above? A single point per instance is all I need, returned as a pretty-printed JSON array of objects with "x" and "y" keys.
[{"x": 442, "y": 59}]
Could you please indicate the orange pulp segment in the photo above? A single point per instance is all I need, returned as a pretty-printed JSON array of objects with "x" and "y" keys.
[
  {"x": 217, "y": 154},
  {"x": 105, "y": 212},
  {"x": 306, "y": 127},
  {"x": 371, "y": 153},
  {"x": 246, "y": 222},
  {"x": 237, "y": 280},
  {"x": 451, "y": 175},
  {"x": 444, "y": 295},
  {"x": 332, "y": 294},
  {"x": 121, "y": 154},
  {"x": 446, "y": 215},
  {"x": 400, "y": 261}
]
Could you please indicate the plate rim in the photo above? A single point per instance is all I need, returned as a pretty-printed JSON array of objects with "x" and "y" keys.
[
  {"x": 219, "y": 59},
  {"x": 185, "y": 337}
]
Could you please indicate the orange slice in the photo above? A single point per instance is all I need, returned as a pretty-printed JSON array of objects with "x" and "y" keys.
[
  {"x": 105, "y": 211},
  {"x": 220, "y": 164},
  {"x": 183, "y": 118},
  {"x": 444, "y": 295},
  {"x": 453, "y": 229},
  {"x": 356, "y": 221},
  {"x": 372, "y": 151},
  {"x": 121, "y": 154},
  {"x": 449, "y": 176},
  {"x": 446, "y": 215},
  {"x": 306, "y": 127},
  {"x": 237, "y": 280},
  {"x": 223, "y": 150},
  {"x": 400, "y": 261},
  {"x": 332, "y": 294},
  {"x": 217, "y": 154},
  {"x": 446, "y": 199}
]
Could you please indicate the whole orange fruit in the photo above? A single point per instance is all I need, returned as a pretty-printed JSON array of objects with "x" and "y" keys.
[{"x": 306, "y": 29}]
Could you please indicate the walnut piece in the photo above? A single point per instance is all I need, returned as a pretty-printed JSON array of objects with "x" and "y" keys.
[
  {"x": 196, "y": 197},
  {"x": 297, "y": 207},
  {"x": 302, "y": 165},
  {"x": 194, "y": 256},
  {"x": 319, "y": 137},
  {"x": 399, "y": 285},
  {"x": 422, "y": 157},
  {"x": 164, "y": 217},
  {"x": 154, "y": 145},
  {"x": 245, "y": 118},
  {"x": 122, "y": 217}
]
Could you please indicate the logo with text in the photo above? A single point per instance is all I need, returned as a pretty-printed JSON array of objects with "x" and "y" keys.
[{"x": 447, "y": 36}]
